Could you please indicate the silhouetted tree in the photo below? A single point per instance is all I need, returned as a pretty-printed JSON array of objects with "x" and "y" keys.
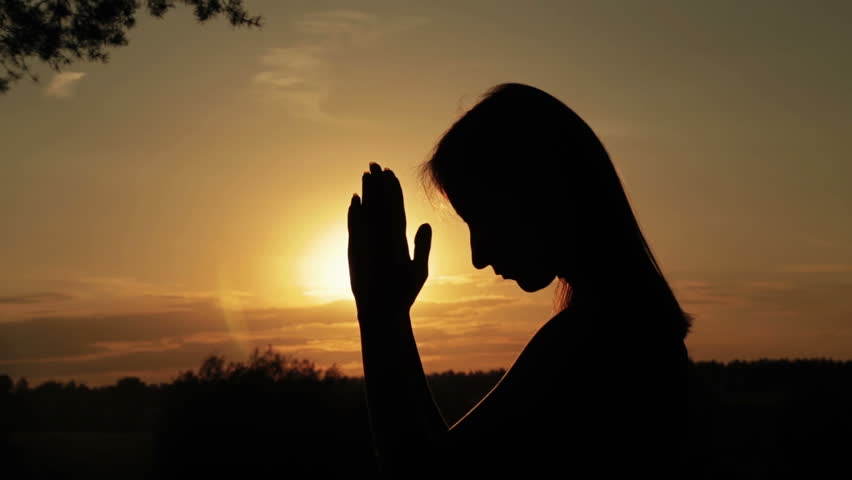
[
  {"x": 6, "y": 385},
  {"x": 759, "y": 419},
  {"x": 22, "y": 385},
  {"x": 130, "y": 385},
  {"x": 59, "y": 32}
]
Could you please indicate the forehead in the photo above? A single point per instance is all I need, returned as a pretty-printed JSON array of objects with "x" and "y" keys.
[
  {"x": 466, "y": 202},
  {"x": 478, "y": 203}
]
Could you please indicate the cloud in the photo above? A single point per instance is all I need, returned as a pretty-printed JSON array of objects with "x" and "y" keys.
[
  {"x": 462, "y": 307},
  {"x": 703, "y": 293},
  {"x": 828, "y": 244},
  {"x": 480, "y": 329},
  {"x": 820, "y": 268},
  {"x": 778, "y": 297},
  {"x": 298, "y": 77},
  {"x": 301, "y": 75},
  {"x": 205, "y": 323},
  {"x": 461, "y": 279},
  {"x": 33, "y": 298},
  {"x": 97, "y": 347},
  {"x": 85, "y": 296},
  {"x": 479, "y": 332},
  {"x": 62, "y": 84}
]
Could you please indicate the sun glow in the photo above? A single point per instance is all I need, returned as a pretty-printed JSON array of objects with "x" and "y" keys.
[{"x": 325, "y": 267}]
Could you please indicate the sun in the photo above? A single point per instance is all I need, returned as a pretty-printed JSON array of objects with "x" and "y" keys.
[{"x": 325, "y": 266}]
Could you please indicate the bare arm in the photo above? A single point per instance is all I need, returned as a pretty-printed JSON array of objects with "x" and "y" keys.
[
  {"x": 406, "y": 423},
  {"x": 407, "y": 426}
]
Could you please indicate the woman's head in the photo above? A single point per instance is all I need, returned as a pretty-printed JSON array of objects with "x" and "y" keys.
[{"x": 540, "y": 196}]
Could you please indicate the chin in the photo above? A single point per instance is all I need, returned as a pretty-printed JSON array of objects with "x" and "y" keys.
[{"x": 529, "y": 284}]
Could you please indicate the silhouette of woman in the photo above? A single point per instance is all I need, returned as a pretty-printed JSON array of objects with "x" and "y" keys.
[{"x": 600, "y": 389}]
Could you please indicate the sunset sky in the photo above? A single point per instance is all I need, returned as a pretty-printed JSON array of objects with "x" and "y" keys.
[{"x": 189, "y": 197}]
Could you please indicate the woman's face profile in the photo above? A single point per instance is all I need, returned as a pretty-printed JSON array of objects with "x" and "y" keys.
[{"x": 507, "y": 236}]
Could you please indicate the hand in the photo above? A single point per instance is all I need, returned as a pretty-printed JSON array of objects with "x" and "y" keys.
[{"x": 385, "y": 279}]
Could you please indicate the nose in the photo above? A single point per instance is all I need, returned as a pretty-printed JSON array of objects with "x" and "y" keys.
[{"x": 478, "y": 252}]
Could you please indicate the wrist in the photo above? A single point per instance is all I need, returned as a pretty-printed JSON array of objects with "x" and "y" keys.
[
  {"x": 386, "y": 324},
  {"x": 382, "y": 313}
]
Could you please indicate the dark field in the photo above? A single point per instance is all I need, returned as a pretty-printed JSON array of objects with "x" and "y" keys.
[{"x": 273, "y": 414}]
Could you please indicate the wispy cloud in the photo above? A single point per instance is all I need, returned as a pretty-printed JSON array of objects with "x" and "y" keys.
[
  {"x": 700, "y": 292},
  {"x": 828, "y": 244},
  {"x": 33, "y": 298},
  {"x": 62, "y": 84},
  {"x": 701, "y": 296},
  {"x": 475, "y": 332},
  {"x": 79, "y": 296},
  {"x": 820, "y": 268},
  {"x": 460, "y": 279},
  {"x": 301, "y": 75},
  {"x": 298, "y": 77}
]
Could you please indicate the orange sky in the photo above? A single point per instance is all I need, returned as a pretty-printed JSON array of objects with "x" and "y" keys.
[{"x": 189, "y": 197}]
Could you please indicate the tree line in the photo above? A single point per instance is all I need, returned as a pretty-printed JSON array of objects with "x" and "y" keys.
[{"x": 756, "y": 419}]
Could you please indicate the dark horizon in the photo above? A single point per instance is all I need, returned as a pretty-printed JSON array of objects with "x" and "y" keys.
[{"x": 757, "y": 420}]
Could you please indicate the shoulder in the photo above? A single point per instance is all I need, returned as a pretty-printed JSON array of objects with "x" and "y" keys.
[
  {"x": 522, "y": 395},
  {"x": 605, "y": 348},
  {"x": 575, "y": 382}
]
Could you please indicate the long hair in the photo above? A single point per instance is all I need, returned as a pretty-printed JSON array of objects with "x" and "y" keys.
[{"x": 522, "y": 138}]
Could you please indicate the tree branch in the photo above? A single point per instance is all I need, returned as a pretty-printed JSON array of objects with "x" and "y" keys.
[{"x": 55, "y": 31}]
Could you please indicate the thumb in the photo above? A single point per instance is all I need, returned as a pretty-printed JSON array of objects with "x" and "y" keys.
[{"x": 422, "y": 246}]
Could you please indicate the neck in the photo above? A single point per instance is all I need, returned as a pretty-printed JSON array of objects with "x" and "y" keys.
[{"x": 609, "y": 285}]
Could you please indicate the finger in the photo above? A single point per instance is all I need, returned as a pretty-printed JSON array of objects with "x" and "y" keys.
[
  {"x": 353, "y": 219},
  {"x": 396, "y": 199},
  {"x": 422, "y": 247},
  {"x": 355, "y": 247},
  {"x": 374, "y": 205},
  {"x": 377, "y": 236},
  {"x": 375, "y": 168},
  {"x": 371, "y": 201},
  {"x": 371, "y": 183},
  {"x": 396, "y": 214},
  {"x": 365, "y": 179}
]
